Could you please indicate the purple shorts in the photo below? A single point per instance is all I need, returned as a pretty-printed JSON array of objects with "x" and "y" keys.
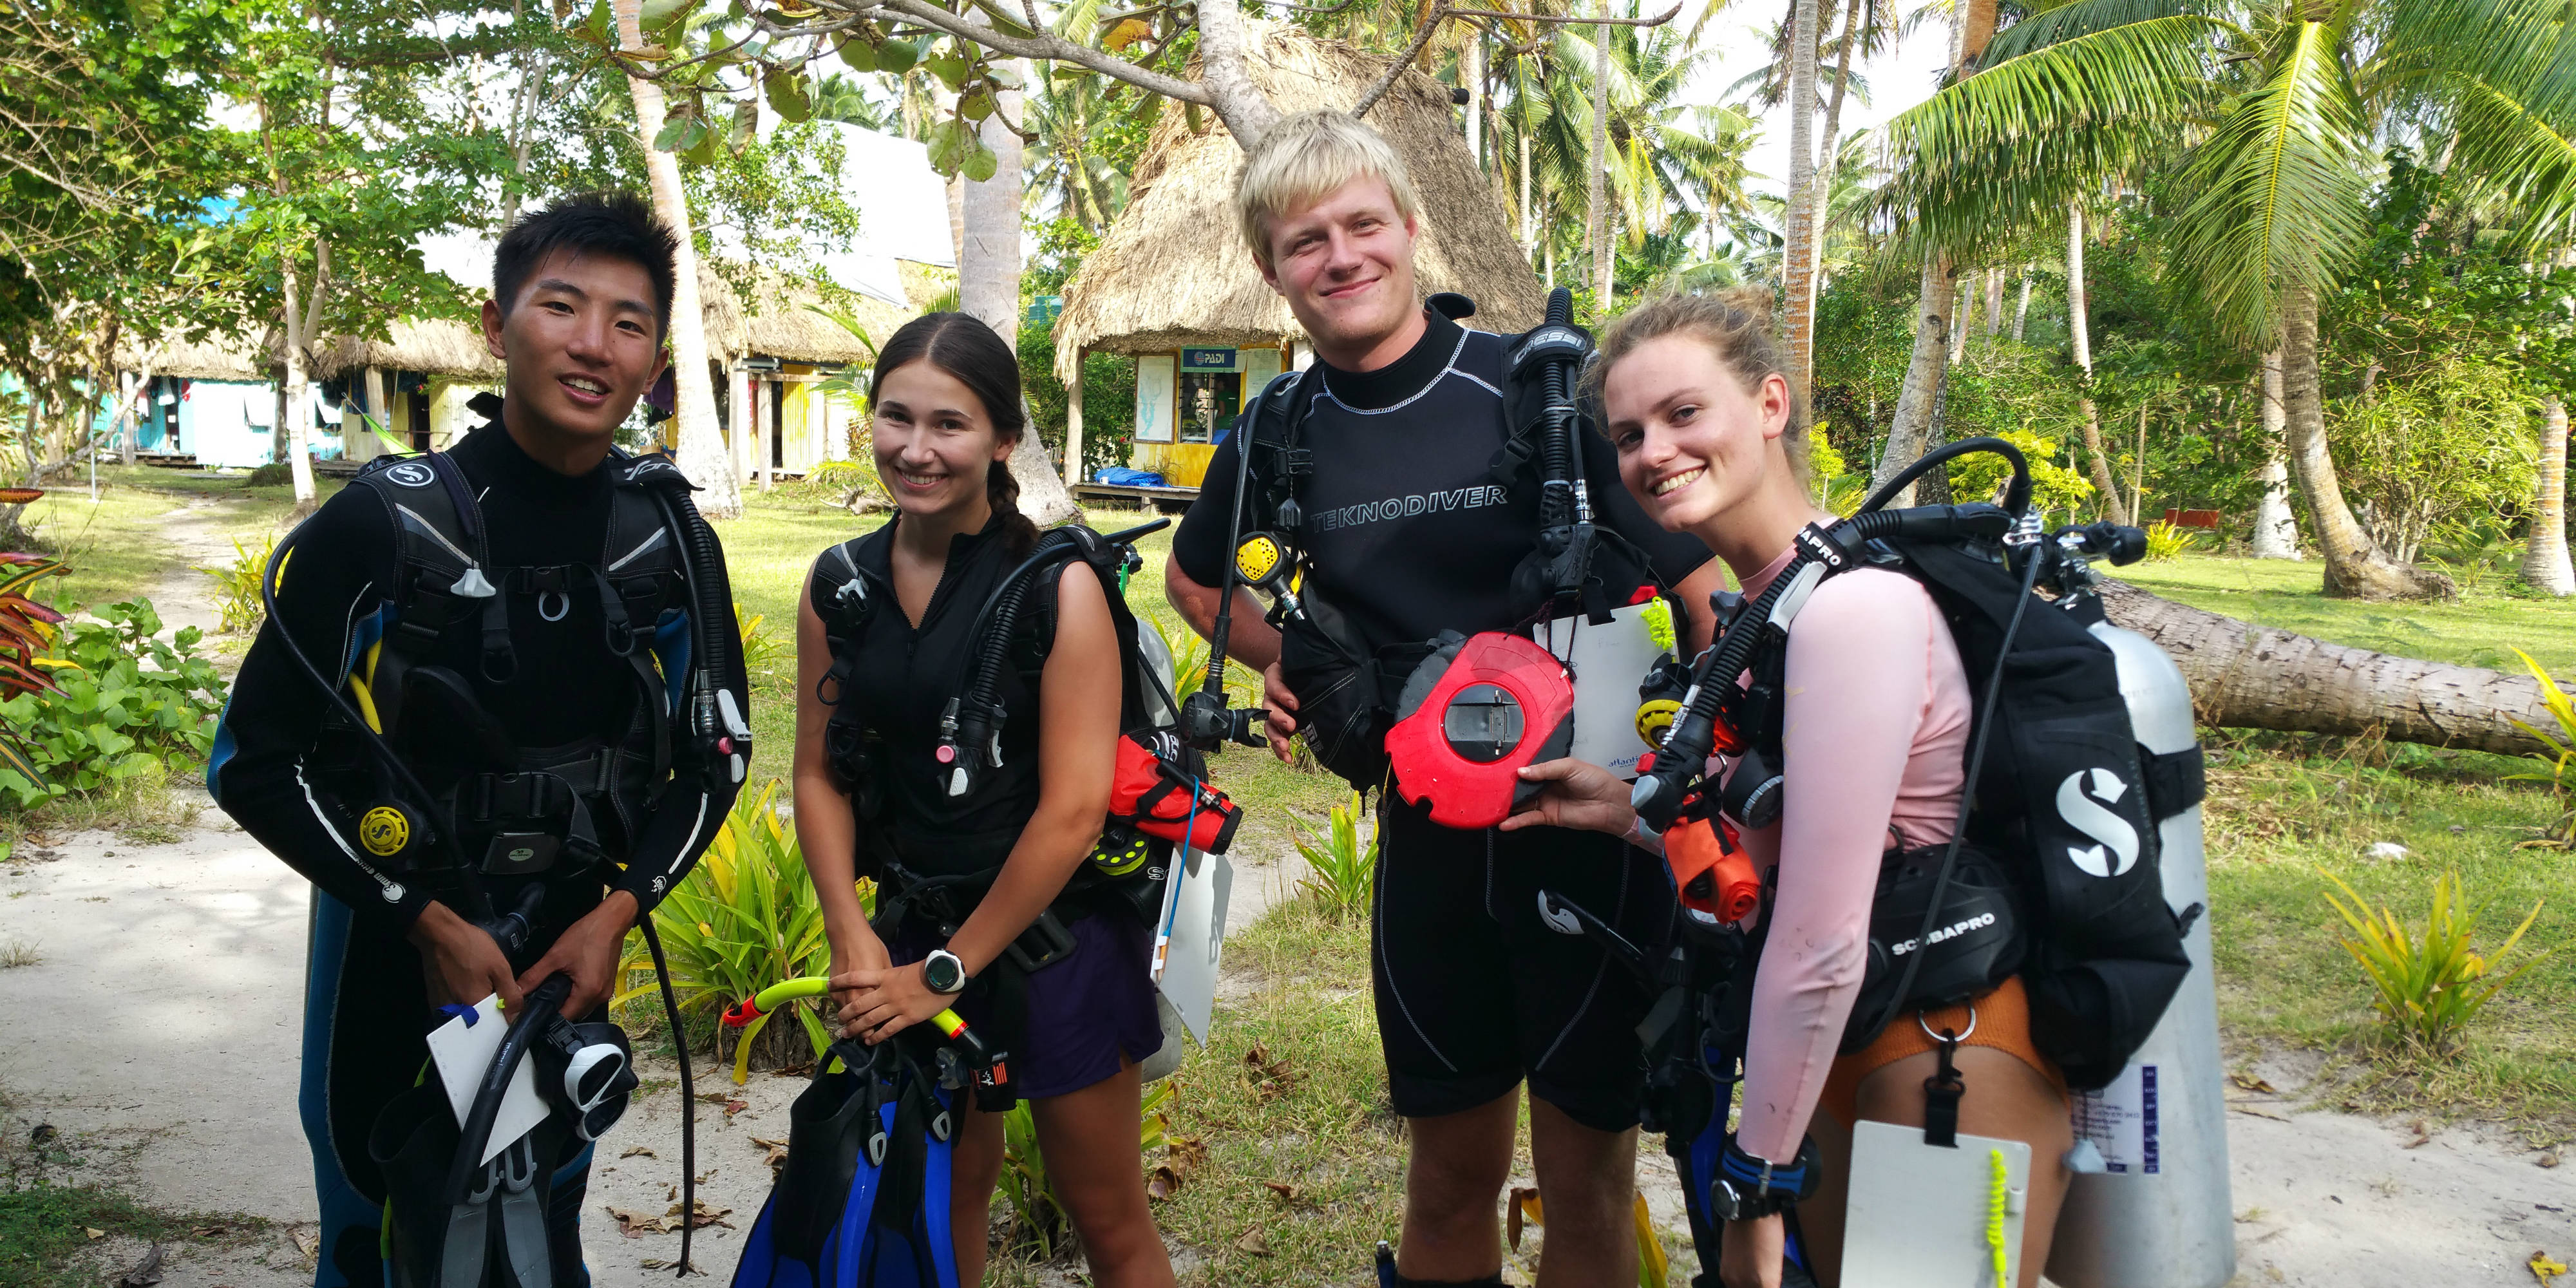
[{"x": 1086, "y": 1010}]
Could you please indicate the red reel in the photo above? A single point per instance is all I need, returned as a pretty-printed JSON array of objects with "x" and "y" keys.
[{"x": 1472, "y": 715}]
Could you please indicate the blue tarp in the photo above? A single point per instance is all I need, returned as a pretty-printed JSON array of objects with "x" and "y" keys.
[{"x": 1122, "y": 476}]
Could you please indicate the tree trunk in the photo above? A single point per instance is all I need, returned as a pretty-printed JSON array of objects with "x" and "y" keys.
[
  {"x": 1798, "y": 243},
  {"x": 1828, "y": 156},
  {"x": 702, "y": 450},
  {"x": 2544, "y": 557},
  {"x": 1994, "y": 304},
  {"x": 1471, "y": 75},
  {"x": 2276, "y": 526},
  {"x": 1595, "y": 212},
  {"x": 2254, "y": 677},
  {"x": 1909, "y": 430},
  {"x": 2021, "y": 311},
  {"x": 2079, "y": 327},
  {"x": 1964, "y": 321},
  {"x": 2355, "y": 566},
  {"x": 297, "y": 434},
  {"x": 988, "y": 287}
]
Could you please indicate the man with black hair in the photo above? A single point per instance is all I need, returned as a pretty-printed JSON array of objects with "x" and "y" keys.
[{"x": 516, "y": 619}]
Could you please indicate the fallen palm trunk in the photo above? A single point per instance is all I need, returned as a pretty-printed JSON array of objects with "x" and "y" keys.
[{"x": 2254, "y": 677}]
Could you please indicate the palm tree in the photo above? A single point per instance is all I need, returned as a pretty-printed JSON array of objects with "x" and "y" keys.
[
  {"x": 2283, "y": 104},
  {"x": 1066, "y": 105},
  {"x": 1659, "y": 158}
]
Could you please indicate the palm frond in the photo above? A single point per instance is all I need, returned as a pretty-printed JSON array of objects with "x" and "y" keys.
[
  {"x": 2082, "y": 18},
  {"x": 2278, "y": 188}
]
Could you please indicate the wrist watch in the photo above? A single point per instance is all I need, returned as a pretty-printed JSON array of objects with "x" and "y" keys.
[
  {"x": 1748, "y": 1187},
  {"x": 942, "y": 972}
]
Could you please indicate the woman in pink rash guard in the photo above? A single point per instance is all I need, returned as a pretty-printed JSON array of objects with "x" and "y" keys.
[{"x": 1712, "y": 441}]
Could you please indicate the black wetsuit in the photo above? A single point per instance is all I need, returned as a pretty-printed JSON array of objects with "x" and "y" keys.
[
  {"x": 275, "y": 771},
  {"x": 1410, "y": 533}
]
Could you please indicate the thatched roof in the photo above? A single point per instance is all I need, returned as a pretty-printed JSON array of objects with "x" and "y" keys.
[
  {"x": 438, "y": 347},
  {"x": 219, "y": 357},
  {"x": 780, "y": 325},
  {"x": 1171, "y": 270}
]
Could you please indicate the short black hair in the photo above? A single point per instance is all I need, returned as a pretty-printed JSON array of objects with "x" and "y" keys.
[{"x": 617, "y": 224}]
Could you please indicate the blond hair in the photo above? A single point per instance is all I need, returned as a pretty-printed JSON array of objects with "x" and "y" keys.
[
  {"x": 1735, "y": 324},
  {"x": 1303, "y": 160}
]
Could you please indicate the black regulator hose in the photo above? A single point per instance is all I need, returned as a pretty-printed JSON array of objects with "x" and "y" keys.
[
  {"x": 1683, "y": 758},
  {"x": 716, "y": 652},
  {"x": 997, "y": 622},
  {"x": 544, "y": 1002},
  {"x": 1556, "y": 383},
  {"x": 471, "y": 902}
]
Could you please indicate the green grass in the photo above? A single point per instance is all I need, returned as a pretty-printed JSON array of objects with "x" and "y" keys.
[
  {"x": 233, "y": 485},
  {"x": 2280, "y": 804},
  {"x": 2481, "y": 629},
  {"x": 44, "y": 1231},
  {"x": 1320, "y": 1123}
]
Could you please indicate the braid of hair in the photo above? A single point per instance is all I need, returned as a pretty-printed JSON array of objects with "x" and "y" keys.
[{"x": 1002, "y": 492}]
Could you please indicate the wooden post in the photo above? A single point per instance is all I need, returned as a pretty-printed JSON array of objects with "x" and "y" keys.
[{"x": 1073, "y": 423}]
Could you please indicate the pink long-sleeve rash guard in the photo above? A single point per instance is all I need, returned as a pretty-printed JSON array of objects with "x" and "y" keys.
[{"x": 1874, "y": 744}]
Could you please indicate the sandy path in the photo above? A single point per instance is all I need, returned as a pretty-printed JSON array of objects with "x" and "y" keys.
[{"x": 201, "y": 532}]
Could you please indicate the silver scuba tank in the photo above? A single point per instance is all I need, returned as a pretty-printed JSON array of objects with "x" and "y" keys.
[{"x": 2157, "y": 1214}]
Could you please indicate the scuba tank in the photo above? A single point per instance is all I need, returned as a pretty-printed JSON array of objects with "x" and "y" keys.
[{"x": 2167, "y": 1221}]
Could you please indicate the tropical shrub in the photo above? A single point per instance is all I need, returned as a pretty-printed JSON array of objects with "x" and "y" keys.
[
  {"x": 2561, "y": 756},
  {"x": 743, "y": 919},
  {"x": 2422, "y": 454},
  {"x": 122, "y": 703},
  {"x": 761, "y": 650},
  {"x": 2166, "y": 541},
  {"x": 237, "y": 585},
  {"x": 1189, "y": 668},
  {"x": 1345, "y": 872},
  {"x": 2430, "y": 985}
]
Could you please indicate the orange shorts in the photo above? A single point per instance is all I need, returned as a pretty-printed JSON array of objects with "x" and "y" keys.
[{"x": 2002, "y": 1021}]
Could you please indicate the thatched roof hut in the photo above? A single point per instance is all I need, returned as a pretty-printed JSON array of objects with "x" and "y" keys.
[
  {"x": 434, "y": 346},
  {"x": 781, "y": 323},
  {"x": 1172, "y": 272},
  {"x": 218, "y": 357}
]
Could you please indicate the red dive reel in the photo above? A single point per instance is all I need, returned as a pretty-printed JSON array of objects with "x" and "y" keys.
[{"x": 1474, "y": 712}]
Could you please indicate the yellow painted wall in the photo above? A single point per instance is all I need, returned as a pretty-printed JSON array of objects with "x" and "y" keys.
[{"x": 1180, "y": 464}]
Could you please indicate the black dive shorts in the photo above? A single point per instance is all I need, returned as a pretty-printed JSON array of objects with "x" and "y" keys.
[{"x": 1476, "y": 990}]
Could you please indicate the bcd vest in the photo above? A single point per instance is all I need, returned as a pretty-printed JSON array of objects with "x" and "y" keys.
[
  {"x": 1160, "y": 796},
  {"x": 523, "y": 810},
  {"x": 1348, "y": 692},
  {"x": 2058, "y": 878}
]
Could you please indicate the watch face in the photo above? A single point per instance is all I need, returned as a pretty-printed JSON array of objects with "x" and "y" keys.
[{"x": 940, "y": 972}]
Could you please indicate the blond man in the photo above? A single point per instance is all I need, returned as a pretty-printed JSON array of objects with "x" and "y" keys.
[{"x": 1410, "y": 529}]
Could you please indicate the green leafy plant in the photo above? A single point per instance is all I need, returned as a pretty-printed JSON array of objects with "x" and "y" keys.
[
  {"x": 761, "y": 650},
  {"x": 2430, "y": 985},
  {"x": 1189, "y": 667},
  {"x": 2561, "y": 756},
  {"x": 237, "y": 584},
  {"x": 743, "y": 919},
  {"x": 2166, "y": 541},
  {"x": 1025, "y": 1185},
  {"x": 108, "y": 716},
  {"x": 1345, "y": 872}
]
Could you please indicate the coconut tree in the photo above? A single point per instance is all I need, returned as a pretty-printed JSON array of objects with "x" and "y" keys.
[{"x": 2282, "y": 105}]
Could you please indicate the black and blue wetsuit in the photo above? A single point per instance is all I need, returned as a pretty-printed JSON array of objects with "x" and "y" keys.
[{"x": 568, "y": 698}]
